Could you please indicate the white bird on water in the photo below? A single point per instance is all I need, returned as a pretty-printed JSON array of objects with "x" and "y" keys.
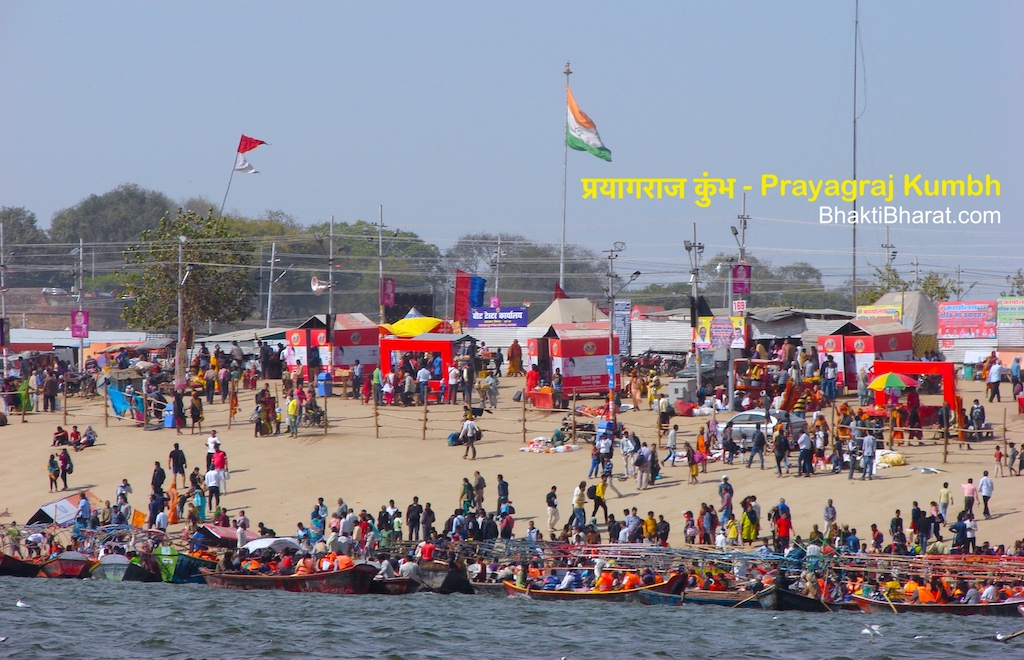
[
  {"x": 22, "y": 603},
  {"x": 872, "y": 630}
]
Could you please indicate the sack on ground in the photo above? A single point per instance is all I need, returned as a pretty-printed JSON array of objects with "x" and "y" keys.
[{"x": 518, "y": 396}]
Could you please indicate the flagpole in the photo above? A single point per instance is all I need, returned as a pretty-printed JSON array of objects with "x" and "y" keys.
[
  {"x": 225, "y": 200},
  {"x": 565, "y": 165}
]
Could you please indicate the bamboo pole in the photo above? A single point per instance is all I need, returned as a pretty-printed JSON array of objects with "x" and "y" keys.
[
  {"x": 64, "y": 403},
  {"x": 325, "y": 407},
  {"x": 376, "y": 419},
  {"x": 574, "y": 395},
  {"x": 523, "y": 418},
  {"x": 423, "y": 433},
  {"x": 945, "y": 441},
  {"x": 1004, "y": 432},
  {"x": 892, "y": 443},
  {"x": 106, "y": 407},
  {"x": 24, "y": 402}
]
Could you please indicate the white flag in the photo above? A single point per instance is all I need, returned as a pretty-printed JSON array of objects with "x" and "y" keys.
[{"x": 242, "y": 165}]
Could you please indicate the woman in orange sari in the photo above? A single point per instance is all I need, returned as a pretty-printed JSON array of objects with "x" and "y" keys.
[{"x": 702, "y": 448}]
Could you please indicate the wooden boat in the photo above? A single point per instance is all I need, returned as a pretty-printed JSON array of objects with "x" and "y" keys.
[
  {"x": 111, "y": 567},
  {"x": 180, "y": 568},
  {"x": 489, "y": 589},
  {"x": 353, "y": 580},
  {"x": 68, "y": 564},
  {"x": 1007, "y": 609},
  {"x": 398, "y": 586},
  {"x": 617, "y": 596},
  {"x": 731, "y": 598},
  {"x": 784, "y": 600},
  {"x": 15, "y": 567}
]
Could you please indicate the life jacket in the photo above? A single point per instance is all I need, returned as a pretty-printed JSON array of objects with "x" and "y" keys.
[
  {"x": 909, "y": 588},
  {"x": 343, "y": 562},
  {"x": 925, "y": 595}
]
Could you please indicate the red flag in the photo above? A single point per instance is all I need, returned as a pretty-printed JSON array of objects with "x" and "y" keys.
[
  {"x": 248, "y": 144},
  {"x": 559, "y": 292}
]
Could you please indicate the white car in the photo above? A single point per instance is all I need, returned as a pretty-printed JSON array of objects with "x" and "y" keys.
[{"x": 745, "y": 423}]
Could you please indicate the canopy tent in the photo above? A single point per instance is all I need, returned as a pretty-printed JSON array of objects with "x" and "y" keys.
[
  {"x": 62, "y": 512},
  {"x": 414, "y": 314},
  {"x": 568, "y": 310},
  {"x": 277, "y": 544},
  {"x": 411, "y": 327},
  {"x": 919, "y": 314},
  {"x": 221, "y": 537}
]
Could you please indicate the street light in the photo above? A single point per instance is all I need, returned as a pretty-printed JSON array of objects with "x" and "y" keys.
[
  {"x": 179, "y": 355},
  {"x": 740, "y": 235},
  {"x": 80, "y": 251},
  {"x": 613, "y": 359},
  {"x": 694, "y": 250}
]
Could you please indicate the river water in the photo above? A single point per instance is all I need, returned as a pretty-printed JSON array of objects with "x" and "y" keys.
[{"x": 99, "y": 619}]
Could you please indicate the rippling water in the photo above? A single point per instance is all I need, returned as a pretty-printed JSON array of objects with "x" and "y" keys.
[{"x": 87, "y": 619}]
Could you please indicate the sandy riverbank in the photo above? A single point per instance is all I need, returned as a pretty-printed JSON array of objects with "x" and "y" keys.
[{"x": 278, "y": 479}]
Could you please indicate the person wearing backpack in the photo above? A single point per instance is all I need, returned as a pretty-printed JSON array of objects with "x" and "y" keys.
[
  {"x": 596, "y": 492},
  {"x": 977, "y": 421}
]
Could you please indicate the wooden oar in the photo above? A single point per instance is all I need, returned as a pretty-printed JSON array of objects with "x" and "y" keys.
[
  {"x": 894, "y": 610},
  {"x": 745, "y": 600},
  {"x": 1008, "y": 637}
]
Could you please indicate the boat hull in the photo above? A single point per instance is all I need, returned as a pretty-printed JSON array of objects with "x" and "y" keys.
[
  {"x": 354, "y": 580},
  {"x": 14, "y": 567},
  {"x": 1011, "y": 609},
  {"x": 789, "y": 601},
  {"x": 394, "y": 587},
  {"x": 618, "y": 596},
  {"x": 64, "y": 567},
  {"x": 136, "y": 573},
  {"x": 187, "y": 569},
  {"x": 743, "y": 599}
]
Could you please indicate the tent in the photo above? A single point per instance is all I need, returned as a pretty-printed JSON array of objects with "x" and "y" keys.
[
  {"x": 277, "y": 544},
  {"x": 918, "y": 314},
  {"x": 568, "y": 310},
  {"x": 411, "y": 327},
  {"x": 62, "y": 512}
]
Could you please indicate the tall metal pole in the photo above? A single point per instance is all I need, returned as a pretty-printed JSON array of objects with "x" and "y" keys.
[
  {"x": 81, "y": 293},
  {"x": 694, "y": 251},
  {"x": 179, "y": 355},
  {"x": 380, "y": 259},
  {"x": 330, "y": 305},
  {"x": 497, "y": 268},
  {"x": 741, "y": 240},
  {"x": 565, "y": 172},
  {"x": 3, "y": 291},
  {"x": 330, "y": 274},
  {"x": 856, "y": 29},
  {"x": 270, "y": 285}
]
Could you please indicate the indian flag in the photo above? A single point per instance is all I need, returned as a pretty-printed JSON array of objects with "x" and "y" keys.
[{"x": 580, "y": 132}]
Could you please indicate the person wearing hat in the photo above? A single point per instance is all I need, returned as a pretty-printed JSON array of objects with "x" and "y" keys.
[{"x": 725, "y": 492}]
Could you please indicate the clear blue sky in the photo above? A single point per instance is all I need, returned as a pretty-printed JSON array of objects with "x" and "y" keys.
[{"x": 451, "y": 115}]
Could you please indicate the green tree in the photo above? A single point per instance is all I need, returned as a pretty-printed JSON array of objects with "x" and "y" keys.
[
  {"x": 1016, "y": 283},
  {"x": 220, "y": 285},
  {"x": 529, "y": 270},
  {"x": 119, "y": 215},
  {"x": 20, "y": 227}
]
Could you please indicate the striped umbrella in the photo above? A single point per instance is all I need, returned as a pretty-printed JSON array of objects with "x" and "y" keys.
[{"x": 891, "y": 379}]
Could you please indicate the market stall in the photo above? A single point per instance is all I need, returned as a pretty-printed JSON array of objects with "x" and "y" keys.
[
  {"x": 452, "y": 349},
  {"x": 580, "y": 351}
]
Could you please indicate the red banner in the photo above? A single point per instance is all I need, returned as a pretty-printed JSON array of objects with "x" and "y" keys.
[
  {"x": 387, "y": 292},
  {"x": 460, "y": 313}
]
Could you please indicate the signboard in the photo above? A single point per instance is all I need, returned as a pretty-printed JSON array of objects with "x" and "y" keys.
[
  {"x": 609, "y": 362},
  {"x": 967, "y": 319},
  {"x": 498, "y": 317},
  {"x": 739, "y": 306},
  {"x": 741, "y": 279},
  {"x": 721, "y": 332},
  {"x": 894, "y": 312},
  {"x": 620, "y": 324},
  {"x": 387, "y": 292},
  {"x": 1010, "y": 312},
  {"x": 80, "y": 324}
]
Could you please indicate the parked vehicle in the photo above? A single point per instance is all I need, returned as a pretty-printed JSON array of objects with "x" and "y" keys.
[{"x": 744, "y": 424}]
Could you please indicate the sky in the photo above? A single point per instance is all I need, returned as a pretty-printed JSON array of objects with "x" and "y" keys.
[{"x": 452, "y": 116}]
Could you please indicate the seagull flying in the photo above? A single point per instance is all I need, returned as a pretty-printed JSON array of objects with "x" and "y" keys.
[{"x": 873, "y": 630}]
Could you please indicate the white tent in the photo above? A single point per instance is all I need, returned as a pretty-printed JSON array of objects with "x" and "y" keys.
[
  {"x": 569, "y": 310},
  {"x": 62, "y": 512},
  {"x": 920, "y": 315}
]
